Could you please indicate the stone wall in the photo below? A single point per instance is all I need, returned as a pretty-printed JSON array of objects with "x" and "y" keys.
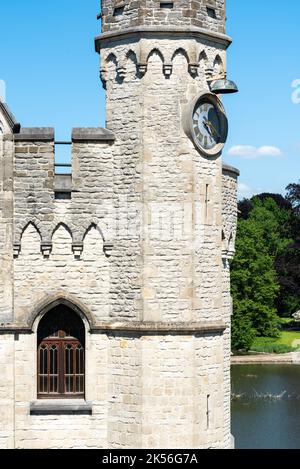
[
  {"x": 118, "y": 14},
  {"x": 6, "y": 226},
  {"x": 86, "y": 279},
  {"x": 166, "y": 180},
  {"x": 7, "y": 392},
  {"x": 60, "y": 244},
  {"x": 34, "y": 184},
  {"x": 180, "y": 195},
  {"x": 136, "y": 397},
  {"x": 176, "y": 389},
  {"x": 19, "y": 429},
  {"x": 229, "y": 209},
  {"x": 229, "y": 216}
]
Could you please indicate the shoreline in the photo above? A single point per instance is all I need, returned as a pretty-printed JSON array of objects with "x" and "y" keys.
[{"x": 292, "y": 358}]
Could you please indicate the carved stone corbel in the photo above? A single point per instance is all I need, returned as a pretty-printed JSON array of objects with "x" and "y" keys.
[
  {"x": 230, "y": 256},
  {"x": 108, "y": 248},
  {"x": 103, "y": 76},
  {"x": 193, "y": 69},
  {"x": 209, "y": 74},
  {"x": 168, "y": 68},
  {"x": 16, "y": 250},
  {"x": 142, "y": 68},
  {"x": 77, "y": 249},
  {"x": 46, "y": 248},
  {"x": 121, "y": 71}
]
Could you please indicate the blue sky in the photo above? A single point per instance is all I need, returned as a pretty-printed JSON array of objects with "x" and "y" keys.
[{"x": 51, "y": 71}]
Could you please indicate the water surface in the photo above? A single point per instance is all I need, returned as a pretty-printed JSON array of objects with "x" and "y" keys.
[{"x": 267, "y": 415}]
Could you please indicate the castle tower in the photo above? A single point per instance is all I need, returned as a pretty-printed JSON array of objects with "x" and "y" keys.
[
  {"x": 158, "y": 59},
  {"x": 115, "y": 304}
]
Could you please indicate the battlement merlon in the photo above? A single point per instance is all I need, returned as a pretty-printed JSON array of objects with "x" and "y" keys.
[
  {"x": 97, "y": 134},
  {"x": 82, "y": 134},
  {"x": 35, "y": 134},
  {"x": 35, "y": 163}
]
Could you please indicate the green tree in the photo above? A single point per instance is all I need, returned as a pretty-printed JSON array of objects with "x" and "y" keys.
[
  {"x": 293, "y": 196},
  {"x": 254, "y": 284},
  {"x": 243, "y": 334},
  {"x": 274, "y": 222},
  {"x": 288, "y": 269},
  {"x": 266, "y": 269}
]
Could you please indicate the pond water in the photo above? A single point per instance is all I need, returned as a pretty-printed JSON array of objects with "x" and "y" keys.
[{"x": 266, "y": 406}]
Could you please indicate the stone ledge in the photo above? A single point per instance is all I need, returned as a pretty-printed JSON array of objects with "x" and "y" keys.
[
  {"x": 92, "y": 135},
  {"x": 161, "y": 328},
  {"x": 142, "y": 31},
  {"x": 33, "y": 134},
  {"x": 63, "y": 183},
  {"x": 178, "y": 328},
  {"x": 10, "y": 329},
  {"x": 230, "y": 169},
  {"x": 61, "y": 407}
]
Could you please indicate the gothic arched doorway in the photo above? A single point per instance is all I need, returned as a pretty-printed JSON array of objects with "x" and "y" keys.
[{"x": 61, "y": 354}]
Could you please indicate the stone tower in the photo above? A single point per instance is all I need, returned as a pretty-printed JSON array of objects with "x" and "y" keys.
[
  {"x": 123, "y": 263},
  {"x": 156, "y": 57}
]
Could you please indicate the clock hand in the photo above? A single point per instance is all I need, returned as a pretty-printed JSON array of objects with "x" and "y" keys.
[
  {"x": 209, "y": 133},
  {"x": 208, "y": 128},
  {"x": 206, "y": 125},
  {"x": 212, "y": 127}
]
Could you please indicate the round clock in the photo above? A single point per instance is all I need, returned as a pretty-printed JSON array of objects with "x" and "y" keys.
[{"x": 206, "y": 123}]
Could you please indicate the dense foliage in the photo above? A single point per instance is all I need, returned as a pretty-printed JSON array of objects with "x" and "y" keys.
[{"x": 266, "y": 268}]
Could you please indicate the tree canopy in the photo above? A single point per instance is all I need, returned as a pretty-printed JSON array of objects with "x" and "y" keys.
[
  {"x": 266, "y": 268},
  {"x": 293, "y": 196}
]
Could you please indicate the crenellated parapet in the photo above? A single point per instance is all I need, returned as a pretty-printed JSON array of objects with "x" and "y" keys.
[
  {"x": 133, "y": 30},
  {"x": 38, "y": 204},
  {"x": 122, "y": 14}
]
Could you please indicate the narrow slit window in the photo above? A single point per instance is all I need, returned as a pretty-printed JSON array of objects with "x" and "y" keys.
[
  {"x": 62, "y": 195},
  {"x": 206, "y": 201},
  {"x": 167, "y": 5},
  {"x": 208, "y": 411},
  {"x": 118, "y": 11},
  {"x": 211, "y": 13}
]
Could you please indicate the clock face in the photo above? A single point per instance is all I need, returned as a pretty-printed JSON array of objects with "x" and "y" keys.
[{"x": 206, "y": 123}]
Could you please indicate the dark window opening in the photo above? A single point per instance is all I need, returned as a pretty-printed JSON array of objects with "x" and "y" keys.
[
  {"x": 211, "y": 13},
  {"x": 118, "y": 11},
  {"x": 63, "y": 195},
  {"x": 168, "y": 5},
  {"x": 61, "y": 355}
]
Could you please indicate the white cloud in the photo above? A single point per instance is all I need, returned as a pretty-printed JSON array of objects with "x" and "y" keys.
[
  {"x": 245, "y": 151},
  {"x": 269, "y": 151},
  {"x": 249, "y": 152},
  {"x": 245, "y": 191}
]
